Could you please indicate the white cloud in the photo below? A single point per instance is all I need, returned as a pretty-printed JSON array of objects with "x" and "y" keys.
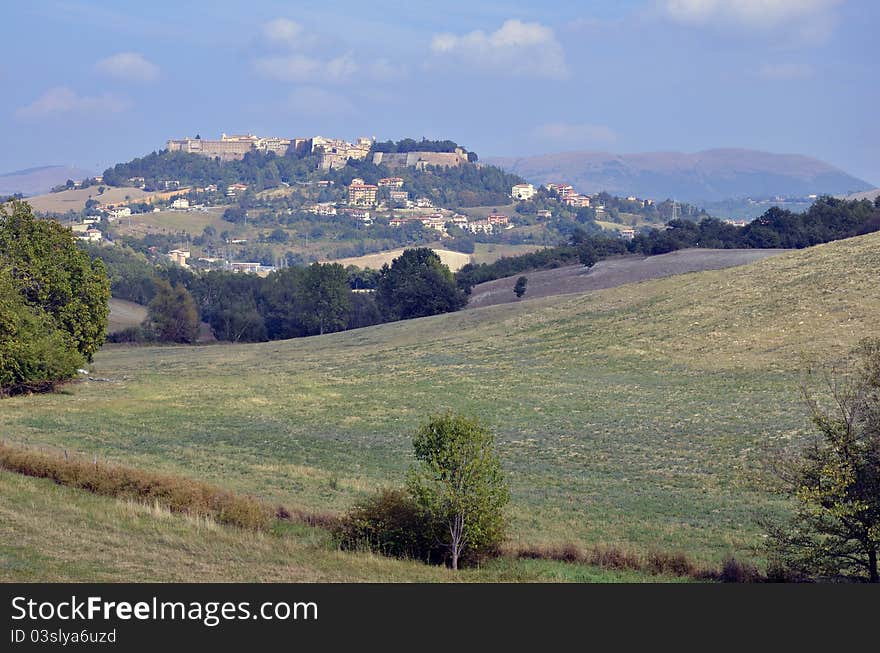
[
  {"x": 316, "y": 101},
  {"x": 801, "y": 22},
  {"x": 62, "y": 100},
  {"x": 575, "y": 135},
  {"x": 516, "y": 48},
  {"x": 128, "y": 66},
  {"x": 302, "y": 68},
  {"x": 785, "y": 71},
  {"x": 283, "y": 31}
]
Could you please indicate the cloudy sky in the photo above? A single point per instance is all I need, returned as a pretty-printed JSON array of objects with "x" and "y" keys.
[{"x": 88, "y": 83}]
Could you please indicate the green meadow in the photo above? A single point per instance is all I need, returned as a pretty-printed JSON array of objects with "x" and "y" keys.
[{"x": 636, "y": 417}]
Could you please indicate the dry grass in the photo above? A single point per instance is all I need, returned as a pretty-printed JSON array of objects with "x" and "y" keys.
[
  {"x": 75, "y": 200},
  {"x": 454, "y": 260},
  {"x": 124, "y": 314},
  {"x": 170, "y": 492}
]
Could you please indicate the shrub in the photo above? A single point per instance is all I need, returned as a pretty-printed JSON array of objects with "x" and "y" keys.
[
  {"x": 735, "y": 571},
  {"x": 391, "y": 523}
]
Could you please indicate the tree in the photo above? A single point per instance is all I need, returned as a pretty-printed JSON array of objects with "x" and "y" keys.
[
  {"x": 520, "y": 287},
  {"x": 54, "y": 277},
  {"x": 34, "y": 354},
  {"x": 417, "y": 284},
  {"x": 835, "y": 480},
  {"x": 324, "y": 298},
  {"x": 587, "y": 255},
  {"x": 460, "y": 484},
  {"x": 173, "y": 315}
]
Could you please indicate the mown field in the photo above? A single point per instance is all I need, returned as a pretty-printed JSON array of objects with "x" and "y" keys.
[
  {"x": 633, "y": 416},
  {"x": 611, "y": 272},
  {"x": 75, "y": 199},
  {"x": 124, "y": 314}
]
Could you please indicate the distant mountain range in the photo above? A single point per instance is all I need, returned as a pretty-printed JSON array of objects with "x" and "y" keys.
[
  {"x": 34, "y": 181},
  {"x": 712, "y": 175}
]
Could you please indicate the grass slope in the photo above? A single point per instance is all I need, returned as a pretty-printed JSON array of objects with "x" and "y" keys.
[
  {"x": 49, "y": 533},
  {"x": 631, "y": 416},
  {"x": 124, "y": 314}
]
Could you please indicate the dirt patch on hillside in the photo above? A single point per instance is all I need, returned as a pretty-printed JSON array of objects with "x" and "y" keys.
[{"x": 613, "y": 272}]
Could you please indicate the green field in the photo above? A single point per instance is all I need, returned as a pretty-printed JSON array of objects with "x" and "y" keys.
[{"x": 633, "y": 417}]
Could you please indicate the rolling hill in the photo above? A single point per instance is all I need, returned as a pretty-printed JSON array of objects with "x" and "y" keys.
[
  {"x": 33, "y": 181},
  {"x": 712, "y": 175},
  {"x": 633, "y": 416}
]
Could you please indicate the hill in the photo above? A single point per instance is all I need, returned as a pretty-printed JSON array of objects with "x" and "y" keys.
[
  {"x": 712, "y": 175},
  {"x": 33, "y": 181},
  {"x": 872, "y": 195},
  {"x": 632, "y": 416},
  {"x": 613, "y": 272}
]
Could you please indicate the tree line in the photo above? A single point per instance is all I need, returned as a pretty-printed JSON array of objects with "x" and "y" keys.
[
  {"x": 292, "y": 302},
  {"x": 826, "y": 220}
]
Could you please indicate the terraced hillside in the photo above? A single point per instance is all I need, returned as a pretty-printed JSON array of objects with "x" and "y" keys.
[{"x": 631, "y": 416}]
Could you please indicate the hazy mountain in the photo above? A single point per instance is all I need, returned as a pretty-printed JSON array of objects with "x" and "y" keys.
[
  {"x": 34, "y": 181},
  {"x": 703, "y": 176},
  {"x": 872, "y": 194}
]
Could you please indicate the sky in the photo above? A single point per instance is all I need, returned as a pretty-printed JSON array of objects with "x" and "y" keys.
[{"x": 93, "y": 83}]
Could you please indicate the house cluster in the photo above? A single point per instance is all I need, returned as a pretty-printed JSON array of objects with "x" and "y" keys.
[
  {"x": 87, "y": 230},
  {"x": 568, "y": 196},
  {"x": 439, "y": 221}
]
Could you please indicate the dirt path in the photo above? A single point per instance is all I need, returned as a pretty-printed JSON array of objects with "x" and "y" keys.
[{"x": 613, "y": 272}]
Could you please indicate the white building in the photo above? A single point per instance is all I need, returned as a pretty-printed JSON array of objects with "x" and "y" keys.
[
  {"x": 180, "y": 203},
  {"x": 523, "y": 192},
  {"x": 120, "y": 212}
]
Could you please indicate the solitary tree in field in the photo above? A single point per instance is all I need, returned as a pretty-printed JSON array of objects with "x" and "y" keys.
[
  {"x": 520, "y": 287},
  {"x": 835, "y": 480},
  {"x": 459, "y": 483}
]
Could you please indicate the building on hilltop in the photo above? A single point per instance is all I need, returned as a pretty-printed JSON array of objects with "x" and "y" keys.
[
  {"x": 335, "y": 152},
  {"x": 420, "y": 160},
  {"x": 233, "y": 148}
]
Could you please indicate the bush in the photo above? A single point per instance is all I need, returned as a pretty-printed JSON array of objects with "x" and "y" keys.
[{"x": 391, "y": 523}]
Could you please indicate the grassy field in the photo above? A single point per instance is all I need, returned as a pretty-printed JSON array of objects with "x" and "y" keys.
[
  {"x": 124, "y": 314},
  {"x": 75, "y": 199},
  {"x": 491, "y": 252},
  {"x": 633, "y": 416},
  {"x": 172, "y": 222},
  {"x": 49, "y": 533},
  {"x": 614, "y": 271},
  {"x": 454, "y": 260}
]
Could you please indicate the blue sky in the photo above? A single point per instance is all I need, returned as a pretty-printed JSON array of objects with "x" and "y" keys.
[{"x": 89, "y": 83}]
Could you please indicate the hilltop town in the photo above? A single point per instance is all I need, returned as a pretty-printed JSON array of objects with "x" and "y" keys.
[{"x": 249, "y": 203}]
